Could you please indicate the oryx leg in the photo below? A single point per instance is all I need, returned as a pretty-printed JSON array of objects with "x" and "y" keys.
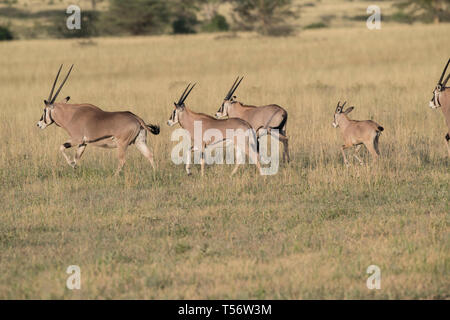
[
  {"x": 358, "y": 147},
  {"x": 122, "y": 148},
  {"x": 79, "y": 153},
  {"x": 285, "y": 141},
  {"x": 252, "y": 153},
  {"x": 202, "y": 160},
  {"x": 281, "y": 136},
  {"x": 447, "y": 140},
  {"x": 141, "y": 145},
  {"x": 237, "y": 158},
  {"x": 343, "y": 147},
  {"x": 62, "y": 148},
  {"x": 188, "y": 161},
  {"x": 372, "y": 150}
]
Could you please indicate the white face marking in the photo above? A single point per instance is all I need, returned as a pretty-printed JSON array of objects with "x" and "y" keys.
[
  {"x": 173, "y": 120},
  {"x": 335, "y": 123},
  {"x": 45, "y": 119},
  {"x": 432, "y": 103},
  {"x": 223, "y": 110}
]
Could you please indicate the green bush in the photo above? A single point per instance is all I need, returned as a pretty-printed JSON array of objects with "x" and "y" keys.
[
  {"x": 136, "y": 17},
  {"x": 184, "y": 24},
  {"x": 316, "y": 25},
  {"x": 217, "y": 24},
  {"x": 5, "y": 34}
]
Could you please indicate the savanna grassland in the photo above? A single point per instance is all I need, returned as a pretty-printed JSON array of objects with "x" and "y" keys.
[{"x": 309, "y": 231}]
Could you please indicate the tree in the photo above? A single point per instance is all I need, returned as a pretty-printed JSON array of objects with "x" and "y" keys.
[
  {"x": 137, "y": 16},
  {"x": 431, "y": 10},
  {"x": 267, "y": 17},
  {"x": 184, "y": 16},
  {"x": 213, "y": 21}
]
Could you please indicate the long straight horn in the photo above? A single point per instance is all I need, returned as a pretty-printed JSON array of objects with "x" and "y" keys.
[
  {"x": 60, "y": 87},
  {"x": 443, "y": 72},
  {"x": 228, "y": 96},
  {"x": 237, "y": 85},
  {"x": 182, "y": 95},
  {"x": 54, "y": 83},
  {"x": 187, "y": 94},
  {"x": 446, "y": 80}
]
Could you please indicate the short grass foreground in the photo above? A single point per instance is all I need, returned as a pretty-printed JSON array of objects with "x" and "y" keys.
[{"x": 311, "y": 231}]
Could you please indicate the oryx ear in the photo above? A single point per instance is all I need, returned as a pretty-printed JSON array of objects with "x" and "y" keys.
[{"x": 349, "y": 110}]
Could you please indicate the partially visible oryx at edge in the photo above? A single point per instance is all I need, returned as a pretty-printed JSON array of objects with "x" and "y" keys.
[
  {"x": 88, "y": 124},
  {"x": 441, "y": 98},
  {"x": 188, "y": 118},
  {"x": 266, "y": 117},
  {"x": 356, "y": 133}
]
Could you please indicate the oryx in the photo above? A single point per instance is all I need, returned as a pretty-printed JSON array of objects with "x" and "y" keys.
[
  {"x": 441, "y": 98},
  {"x": 233, "y": 130},
  {"x": 267, "y": 117},
  {"x": 88, "y": 124},
  {"x": 356, "y": 133}
]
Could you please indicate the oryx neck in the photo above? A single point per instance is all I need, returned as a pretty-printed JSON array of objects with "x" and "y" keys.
[
  {"x": 61, "y": 113},
  {"x": 186, "y": 118},
  {"x": 344, "y": 121}
]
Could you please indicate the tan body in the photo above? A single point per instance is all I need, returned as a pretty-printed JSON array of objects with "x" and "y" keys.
[
  {"x": 357, "y": 133},
  {"x": 187, "y": 118}
]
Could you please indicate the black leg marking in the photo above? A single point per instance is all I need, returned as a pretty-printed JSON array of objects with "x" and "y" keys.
[
  {"x": 447, "y": 137},
  {"x": 98, "y": 139},
  {"x": 67, "y": 145}
]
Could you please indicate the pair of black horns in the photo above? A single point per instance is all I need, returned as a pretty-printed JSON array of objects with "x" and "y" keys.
[
  {"x": 50, "y": 99},
  {"x": 233, "y": 88},
  {"x": 339, "y": 106},
  {"x": 185, "y": 95}
]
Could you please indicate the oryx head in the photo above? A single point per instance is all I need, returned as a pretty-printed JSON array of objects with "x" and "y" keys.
[
  {"x": 339, "y": 113},
  {"x": 229, "y": 99},
  {"x": 179, "y": 106},
  {"x": 46, "y": 118},
  {"x": 434, "y": 102}
]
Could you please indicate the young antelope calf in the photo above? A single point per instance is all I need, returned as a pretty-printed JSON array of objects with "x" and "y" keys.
[{"x": 356, "y": 133}]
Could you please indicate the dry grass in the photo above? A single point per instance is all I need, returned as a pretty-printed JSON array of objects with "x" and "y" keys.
[{"x": 308, "y": 232}]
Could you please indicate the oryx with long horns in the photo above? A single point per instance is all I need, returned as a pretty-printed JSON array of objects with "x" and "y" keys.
[
  {"x": 441, "y": 99},
  {"x": 224, "y": 132},
  {"x": 88, "y": 124},
  {"x": 268, "y": 117}
]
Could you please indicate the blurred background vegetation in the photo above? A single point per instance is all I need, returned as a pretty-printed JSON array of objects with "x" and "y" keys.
[{"x": 30, "y": 19}]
